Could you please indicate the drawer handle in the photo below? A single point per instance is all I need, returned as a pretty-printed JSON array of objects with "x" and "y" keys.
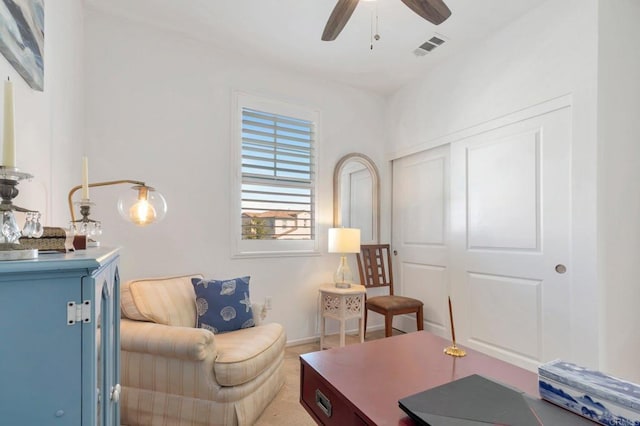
[{"x": 323, "y": 402}]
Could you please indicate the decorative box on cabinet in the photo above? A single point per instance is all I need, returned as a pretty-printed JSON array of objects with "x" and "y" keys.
[{"x": 60, "y": 339}]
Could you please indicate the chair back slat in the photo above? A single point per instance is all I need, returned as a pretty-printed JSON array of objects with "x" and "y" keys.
[{"x": 374, "y": 266}]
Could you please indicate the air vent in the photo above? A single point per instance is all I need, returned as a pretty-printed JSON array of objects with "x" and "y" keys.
[{"x": 426, "y": 47}]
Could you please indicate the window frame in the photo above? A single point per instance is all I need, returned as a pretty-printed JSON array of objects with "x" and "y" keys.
[{"x": 269, "y": 248}]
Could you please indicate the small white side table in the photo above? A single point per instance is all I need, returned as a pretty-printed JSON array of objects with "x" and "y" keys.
[{"x": 341, "y": 304}]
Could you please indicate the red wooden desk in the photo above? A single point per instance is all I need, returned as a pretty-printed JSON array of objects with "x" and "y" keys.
[{"x": 364, "y": 382}]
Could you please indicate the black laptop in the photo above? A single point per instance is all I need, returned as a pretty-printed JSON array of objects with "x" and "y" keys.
[{"x": 478, "y": 401}]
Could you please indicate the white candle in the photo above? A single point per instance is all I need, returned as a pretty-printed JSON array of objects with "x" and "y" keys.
[
  {"x": 9, "y": 140},
  {"x": 85, "y": 178}
]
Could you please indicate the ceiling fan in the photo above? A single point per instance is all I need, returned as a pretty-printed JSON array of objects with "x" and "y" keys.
[{"x": 434, "y": 11}]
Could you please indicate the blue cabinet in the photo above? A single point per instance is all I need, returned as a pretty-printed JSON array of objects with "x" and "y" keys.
[{"x": 60, "y": 339}]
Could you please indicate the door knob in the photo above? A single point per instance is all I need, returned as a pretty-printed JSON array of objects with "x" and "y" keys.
[
  {"x": 560, "y": 268},
  {"x": 395, "y": 252}
]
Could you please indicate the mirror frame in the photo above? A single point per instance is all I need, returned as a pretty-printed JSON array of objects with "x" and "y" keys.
[{"x": 375, "y": 195}]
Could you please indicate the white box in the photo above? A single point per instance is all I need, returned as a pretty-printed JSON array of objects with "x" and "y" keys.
[{"x": 589, "y": 393}]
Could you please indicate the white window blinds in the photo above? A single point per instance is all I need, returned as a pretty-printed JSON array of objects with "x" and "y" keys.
[{"x": 277, "y": 200}]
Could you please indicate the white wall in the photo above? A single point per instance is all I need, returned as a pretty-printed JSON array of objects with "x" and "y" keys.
[
  {"x": 547, "y": 53},
  {"x": 159, "y": 110},
  {"x": 49, "y": 123},
  {"x": 64, "y": 52},
  {"x": 618, "y": 177}
]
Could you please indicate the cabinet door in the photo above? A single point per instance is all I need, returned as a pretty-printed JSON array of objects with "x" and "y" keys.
[
  {"x": 40, "y": 354},
  {"x": 486, "y": 220},
  {"x": 108, "y": 347}
]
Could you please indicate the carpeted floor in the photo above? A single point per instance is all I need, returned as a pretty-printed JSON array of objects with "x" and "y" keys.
[{"x": 286, "y": 409}]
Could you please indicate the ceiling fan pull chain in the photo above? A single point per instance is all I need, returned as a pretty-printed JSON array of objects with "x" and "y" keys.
[
  {"x": 371, "y": 32},
  {"x": 375, "y": 37}
]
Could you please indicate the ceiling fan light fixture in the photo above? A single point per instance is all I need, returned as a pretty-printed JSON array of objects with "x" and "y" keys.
[{"x": 434, "y": 11}]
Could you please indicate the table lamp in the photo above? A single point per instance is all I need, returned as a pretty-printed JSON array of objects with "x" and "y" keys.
[
  {"x": 142, "y": 206},
  {"x": 344, "y": 241}
]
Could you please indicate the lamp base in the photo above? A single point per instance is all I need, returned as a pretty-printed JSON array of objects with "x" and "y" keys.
[
  {"x": 343, "y": 285},
  {"x": 454, "y": 351}
]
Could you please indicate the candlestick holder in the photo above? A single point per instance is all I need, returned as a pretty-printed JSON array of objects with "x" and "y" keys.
[
  {"x": 10, "y": 233},
  {"x": 90, "y": 228}
]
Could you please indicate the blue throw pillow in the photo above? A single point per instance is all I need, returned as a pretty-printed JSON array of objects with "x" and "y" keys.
[{"x": 223, "y": 305}]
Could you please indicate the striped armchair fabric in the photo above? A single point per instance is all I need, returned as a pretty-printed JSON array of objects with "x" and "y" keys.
[{"x": 175, "y": 374}]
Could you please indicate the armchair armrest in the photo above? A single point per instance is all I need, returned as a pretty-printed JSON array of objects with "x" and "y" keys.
[{"x": 193, "y": 344}]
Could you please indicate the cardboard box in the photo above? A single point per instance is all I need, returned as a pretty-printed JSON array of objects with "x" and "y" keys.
[{"x": 589, "y": 393}]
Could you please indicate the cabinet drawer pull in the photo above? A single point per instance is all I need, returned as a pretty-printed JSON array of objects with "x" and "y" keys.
[{"x": 323, "y": 402}]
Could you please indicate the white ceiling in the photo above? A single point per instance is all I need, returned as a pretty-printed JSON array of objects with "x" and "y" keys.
[{"x": 287, "y": 33}]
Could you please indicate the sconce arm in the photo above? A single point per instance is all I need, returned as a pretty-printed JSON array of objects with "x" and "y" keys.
[{"x": 91, "y": 185}]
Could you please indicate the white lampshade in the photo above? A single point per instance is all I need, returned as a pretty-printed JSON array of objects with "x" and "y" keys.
[{"x": 344, "y": 240}]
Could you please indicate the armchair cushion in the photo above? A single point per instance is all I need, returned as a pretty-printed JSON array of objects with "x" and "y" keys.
[
  {"x": 245, "y": 354},
  {"x": 168, "y": 301},
  {"x": 223, "y": 305}
]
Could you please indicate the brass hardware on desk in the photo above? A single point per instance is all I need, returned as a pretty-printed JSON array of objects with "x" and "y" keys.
[{"x": 453, "y": 350}]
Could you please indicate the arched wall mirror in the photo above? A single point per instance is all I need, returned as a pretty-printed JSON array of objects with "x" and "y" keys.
[{"x": 356, "y": 189}]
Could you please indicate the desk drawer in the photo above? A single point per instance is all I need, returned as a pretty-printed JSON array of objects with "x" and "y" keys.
[{"x": 327, "y": 407}]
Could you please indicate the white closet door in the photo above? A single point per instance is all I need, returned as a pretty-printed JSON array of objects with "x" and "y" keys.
[
  {"x": 486, "y": 220},
  {"x": 510, "y": 238},
  {"x": 420, "y": 223}
]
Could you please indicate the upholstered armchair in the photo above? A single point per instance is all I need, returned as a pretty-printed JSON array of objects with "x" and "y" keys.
[{"x": 175, "y": 374}]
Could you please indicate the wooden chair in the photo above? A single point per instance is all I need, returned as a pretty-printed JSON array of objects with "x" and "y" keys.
[{"x": 374, "y": 266}]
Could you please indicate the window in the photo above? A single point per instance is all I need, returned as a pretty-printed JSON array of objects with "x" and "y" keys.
[{"x": 276, "y": 160}]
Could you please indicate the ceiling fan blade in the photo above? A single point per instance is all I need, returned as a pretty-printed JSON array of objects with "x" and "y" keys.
[
  {"x": 338, "y": 19},
  {"x": 434, "y": 11}
]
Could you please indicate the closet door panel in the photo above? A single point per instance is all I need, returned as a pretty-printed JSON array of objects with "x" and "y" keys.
[
  {"x": 510, "y": 194},
  {"x": 420, "y": 228}
]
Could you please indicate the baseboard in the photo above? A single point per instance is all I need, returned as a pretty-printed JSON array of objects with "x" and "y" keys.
[
  {"x": 316, "y": 339},
  {"x": 304, "y": 341}
]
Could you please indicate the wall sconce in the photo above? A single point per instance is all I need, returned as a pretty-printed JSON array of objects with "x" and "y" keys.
[
  {"x": 343, "y": 241},
  {"x": 143, "y": 206}
]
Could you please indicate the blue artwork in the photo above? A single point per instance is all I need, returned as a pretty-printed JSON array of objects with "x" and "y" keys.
[
  {"x": 592, "y": 394},
  {"x": 22, "y": 38}
]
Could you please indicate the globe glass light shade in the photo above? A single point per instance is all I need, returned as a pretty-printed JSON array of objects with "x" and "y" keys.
[{"x": 142, "y": 206}]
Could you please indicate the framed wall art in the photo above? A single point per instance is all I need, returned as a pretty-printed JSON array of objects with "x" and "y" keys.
[{"x": 22, "y": 38}]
